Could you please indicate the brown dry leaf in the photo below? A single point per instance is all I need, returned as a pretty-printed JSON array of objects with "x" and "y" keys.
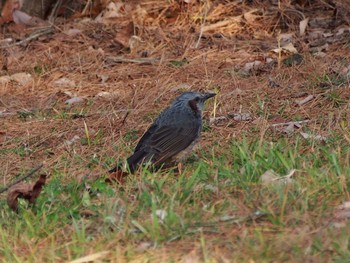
[
  {"x": 6, "y": 13},
  {"x": 26, "y": 191},
  {"x": 96, "y": 257},
  {"x": 342, "y": 212},
  {"x": 143, "y": 246},
  {"x": 288, "y": 47},
  {"x": 217, "y": 120},
  {"x": 302, "y": 26},
  {"x": 5, "y": 80},
  {"x": 140, "y": 16},
  {"x": 271, "y": 178},
  {"x": 250, "y": 17},
  {"x": 309, "y": 136},
  {"x": 74, "y": 100},
  {"x": 123, "y": 36},
  {"x": 22, "y": 78},
  {"x": 191, "y": 257},
  {"x": 240, "y": 116},
  {"x": 116, "y": 177},
  {"x": 64, "y": 82},
  {"x": 112, "y": 12},
  {"x": 22, "y": 18}
]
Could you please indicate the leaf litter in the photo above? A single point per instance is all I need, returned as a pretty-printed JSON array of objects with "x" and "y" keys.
[
  {"x": 29, "y": 192},
  {"x": 147, "y": 83}
]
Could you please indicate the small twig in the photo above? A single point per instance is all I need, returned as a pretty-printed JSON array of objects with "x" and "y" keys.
[
  {"x": 54, "y": 11},
  {"x": 34, "y": 35},
  {"x": 151, "y": 61},
  {"x": 87, "y": 6},
  {"x": 30, "y": 173},
  {"x": 202, "y": 26},
  {"x": 232, "y": 219},
  {"x": 5, "y": 114},
  {"x": 289, "y": 123},
  {"x": 125, "y": 117},
  {"x": 306, "y": 100}
]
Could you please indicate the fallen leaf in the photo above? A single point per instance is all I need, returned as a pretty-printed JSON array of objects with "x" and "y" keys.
[
  {"x": 294, "y": 59},
  {"x": 22, "y": 18},
  {"x": 73, "y": 32},
  {"x": 7, "y": 10},
  {"x": 73, "y": 140},
  {"x": 217, "y": 120},
  {"x": 342, "y": 212},
  {"x": 286, "y": 38},
  {"x": 104, "y": 94},
  {"x": 320, "y": 54},
  {"x": 64, "y": 82},
  {"x": 96, "y": 257},
  {"x": 22, "y": 78},
  {"x": 268, "y": 177},
  {"x": 135, "y": 42},
  {"x": 110, "y": 95},
  {"x": 289, "y": 130},
  {"x": 235, "y": 93},
  {"x": 161, "y": 214},
  {"x": 250, "y": 17},
  {"x": 272, "y": 178},
  {"x": 112, "y": 11},
  {"x": 273, "y": 83},
  {"x": 289, "y": 47},
  {"x": 143, "y": 246},
  {"x": 302, "y": 26},
  {"x": 191, "y": 257},
  {"x": 240, "y": 116},
  {"x": 26, "y": 191},
  {"x": 5, "y": 80},
  {"x": 124, "y": 34},
  {"x": 312, "y": 136},
  {"x": 74, "y": 100},
  {"x": 103, "y": 78},
  {"x": 321, "y": 48},
  {"x": 117, "y": 176},
  {"x": 250, "y": 66}
]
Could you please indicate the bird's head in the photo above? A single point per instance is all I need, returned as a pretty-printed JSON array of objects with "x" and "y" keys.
[{"x": 195, "y": 100}]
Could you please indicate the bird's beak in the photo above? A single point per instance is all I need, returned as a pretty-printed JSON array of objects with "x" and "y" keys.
[{"x": 208, "y": 95}]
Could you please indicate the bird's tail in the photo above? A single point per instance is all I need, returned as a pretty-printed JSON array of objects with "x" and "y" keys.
[{"x": 135, "y": 160}]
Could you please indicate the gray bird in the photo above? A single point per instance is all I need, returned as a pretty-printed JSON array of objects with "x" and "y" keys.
[{"x": 173, "y": 134}]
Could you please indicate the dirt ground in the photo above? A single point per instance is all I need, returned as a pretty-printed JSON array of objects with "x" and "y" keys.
[
  {"x": 90, "y": 96},
  {"x": 118, "y": 98}
]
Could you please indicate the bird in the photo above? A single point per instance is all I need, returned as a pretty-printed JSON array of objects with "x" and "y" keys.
[{"x": 174, "y": 133}]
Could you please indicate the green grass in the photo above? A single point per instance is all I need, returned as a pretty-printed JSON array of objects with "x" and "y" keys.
[{"x": 75, "y": 218}]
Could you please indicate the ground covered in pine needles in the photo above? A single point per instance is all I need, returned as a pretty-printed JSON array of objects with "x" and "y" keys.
[{"x": 268, "y": 180}]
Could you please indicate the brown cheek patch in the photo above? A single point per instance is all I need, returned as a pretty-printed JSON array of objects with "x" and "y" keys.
[{"x": 193, "y": 105}]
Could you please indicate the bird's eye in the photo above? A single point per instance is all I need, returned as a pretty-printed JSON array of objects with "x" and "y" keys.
[{"x": 197, "y": 99}]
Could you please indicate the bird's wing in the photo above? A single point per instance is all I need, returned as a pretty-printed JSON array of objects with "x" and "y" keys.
[
  {"x": 167, "y": 141},
  {"x": 162, "y": 143},
  {"x": 146, "y": 137}
]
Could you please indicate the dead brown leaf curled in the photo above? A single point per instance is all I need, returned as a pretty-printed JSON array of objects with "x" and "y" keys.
[
  {"x": 26, "y": 191},
  {"x": 117, "y": 176}
]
